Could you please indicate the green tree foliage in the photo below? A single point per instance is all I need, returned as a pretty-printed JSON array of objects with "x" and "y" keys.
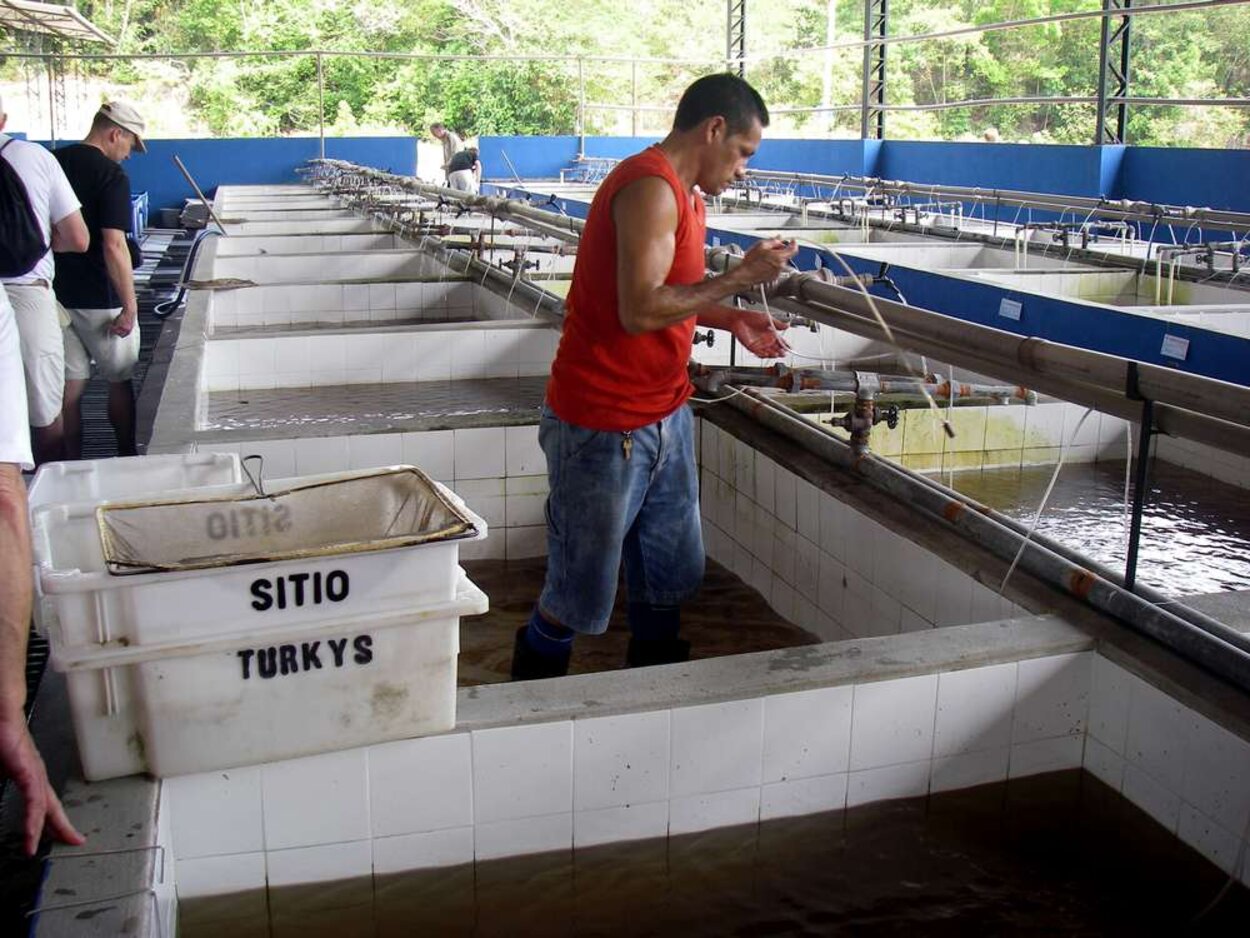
[{"x": 529, "y": 81}]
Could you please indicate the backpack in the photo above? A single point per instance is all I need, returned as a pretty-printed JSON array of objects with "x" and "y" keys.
[{"x": 21, "y": 238}]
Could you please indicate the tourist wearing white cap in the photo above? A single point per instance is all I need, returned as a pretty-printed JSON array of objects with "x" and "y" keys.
[
  {"x": 96, "y": 290},
  {"x": 54, "y": 207}
]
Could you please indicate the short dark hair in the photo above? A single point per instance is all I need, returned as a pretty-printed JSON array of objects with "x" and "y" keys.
[{"x": 721, "y": 95}]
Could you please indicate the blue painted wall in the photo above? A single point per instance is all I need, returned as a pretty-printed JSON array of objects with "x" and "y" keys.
[
  {"x": 1210, "y": 178},
  {"x": 1032, "y": 167},
  {"x": 251, "y": 161},
  {"x": 528, "y": 157}
]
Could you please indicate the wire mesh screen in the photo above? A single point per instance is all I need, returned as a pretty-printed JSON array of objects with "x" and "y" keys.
[{"x": 375, "y": 511}]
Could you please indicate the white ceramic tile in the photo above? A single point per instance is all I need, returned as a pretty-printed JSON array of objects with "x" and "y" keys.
[
  {"x": 985, "y": 604},
  {"x": 522, "y": 771},
  {"x": 522, "y": 836},
  {"x": 521, "y": 510},
  {"x": 219, "y": 876},
  {"x": 893, "y": 721},
  {"x": 1162, "y": 805},
  {"x": 832, "y": 522},
  {"x": 807, "y": 734},
  {"x": 974, "y": 709},
  {"x": 320, "y": 799},
  {"x": 744, "y": 468},
  {"x": 420, "y": 785},
  {"x": 620, "y": 760},
  {"x": 952, "y": 596},
  {"x": 786, "y": 497},
  {"x": 256, "y": 356},
  {"x": 1052, "y": 697},
  {"x": 321, "y": 454},
  {"x": 860, "y": 533},
  {"x": 433, "y": 452},
  {"x": 215, "y": 813},
  {"x": 803, "y": 796},
  {"x": 524, "y": 455},
  {"x": 717, "y": 747},
  {"x": 1158, "y": 729},
  {"x": 1046, "y": 755},
  {"x": 480, "y": 453},
  {"x": 807, "y": 570},
  {"x": 398, "y": 360},
  {"x": 613, "y": 825},
  {"x": 690, "y": 813},
  {"x": 785, "y": 555},
  {"x": 422, "y": 851},
  {"x": 970, "y": 768},
  {"x": 887, "y": 613},
  {"x": 323, "y": 864},
  {"x": 765, "y": 483},
  {"x": 1217, "y": 774},
  {"x": 527, "y": 541},
  {"x": 1207, "y": 837},
  {"x": 1109, "y": 702},
  {"x": 830, "y": 593},
  {"x": 807, "y": 507},
  {"x": 909, "y": 780},
  {"x": 1104, "y": 763},
  {"x": 375, "y": 450}
]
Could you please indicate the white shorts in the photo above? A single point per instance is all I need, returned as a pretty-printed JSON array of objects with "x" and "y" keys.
[
  {"x": 87, "y": 340},
  {"x": 14, "y": 431},
  {"x": 43, "y": 349},
  {"x": 464, "y": 180}
]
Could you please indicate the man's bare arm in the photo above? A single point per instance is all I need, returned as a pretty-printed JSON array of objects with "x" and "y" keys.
[
  {"x": 70, "y": 234},
  {"x": 19, "y": 760},
  {"x": 121, "y": 276},
  {"x": 645, "y": 215}
]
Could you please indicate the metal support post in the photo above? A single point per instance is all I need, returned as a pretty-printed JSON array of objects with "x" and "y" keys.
[
  {"x": 321, "y": 106},
  {"x": 1114, "y": 55},
  {"x": 1141, "y": 482},
  {"x": 581, "y": 108},
  {"x": 51, "y": 102},
  {"x": 872, "y": 90},
  {"x": 736, "y": 37},
  {"x": 633, "y": 98}
]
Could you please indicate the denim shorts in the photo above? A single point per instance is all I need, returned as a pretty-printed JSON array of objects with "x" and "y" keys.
[{"x": 604, "y": 508}]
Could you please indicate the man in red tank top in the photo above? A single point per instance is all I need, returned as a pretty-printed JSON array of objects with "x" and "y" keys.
[{"x": 616, "y": 430}]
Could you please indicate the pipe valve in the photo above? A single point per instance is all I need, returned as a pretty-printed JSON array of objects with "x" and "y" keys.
[{"x": 707, "y": 338}]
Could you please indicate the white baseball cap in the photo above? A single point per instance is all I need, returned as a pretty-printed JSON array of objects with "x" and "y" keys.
[{"x": 124, "y": 115}]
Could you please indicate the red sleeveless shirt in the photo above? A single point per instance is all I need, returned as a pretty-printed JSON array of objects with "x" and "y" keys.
[{"x": 603, "y": 378}]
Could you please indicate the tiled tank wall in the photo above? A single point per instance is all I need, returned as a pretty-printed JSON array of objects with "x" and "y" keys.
[
  {"x": 452, "y": 799},
  {"x": 500, "y": 472},
  {"x": 819, "y": 562},
  {"x": 334, "y": 303},
  {"x": 419, "y": 354},
  {"x": 1227, "y": 467}
]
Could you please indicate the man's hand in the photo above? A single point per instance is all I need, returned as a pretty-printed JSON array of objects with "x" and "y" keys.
[
  {"x": 765, "y": 261},
  {"x": 124, "y": 323},
  {"x": 751, "y": 329},
  {"x": 21, "y": 762}
]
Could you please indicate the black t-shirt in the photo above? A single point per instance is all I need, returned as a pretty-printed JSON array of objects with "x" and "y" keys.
[
  {"x": 462, "y": 160},
  {"x": 103, "y": 188}
]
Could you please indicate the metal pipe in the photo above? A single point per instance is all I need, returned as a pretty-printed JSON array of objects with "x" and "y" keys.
[
  {"x": 1140, "y": 487},
  {"x": 1208, "y": 396},
  {"x": 1219, "y": 653}
]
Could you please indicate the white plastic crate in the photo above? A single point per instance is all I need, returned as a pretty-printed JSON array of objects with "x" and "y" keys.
[
  {"x": 99, "y": 480},
  {"x": 97, "y": 609},
  {"x": 252, "y": 696},
  {"x": 89, "y": 482}
]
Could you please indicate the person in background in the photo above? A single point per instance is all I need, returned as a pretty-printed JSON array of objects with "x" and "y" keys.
[
  {"x": 97, "y": 290},
  {"x": 30, "y": 295},
  {"x": 615, "y": 427},
  {"x": 452, "y": 145},
  {"x": 464, "y": 172}
]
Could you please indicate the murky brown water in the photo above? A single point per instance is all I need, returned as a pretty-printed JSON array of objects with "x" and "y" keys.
[
  {"x": 1195, "y": 530},
  {"x": 1058, "y": 854}
]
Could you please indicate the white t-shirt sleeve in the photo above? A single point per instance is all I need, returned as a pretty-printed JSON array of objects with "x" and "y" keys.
[
  {"x": 14, "y": 432},
  {"x": 61, "y": 198}
]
